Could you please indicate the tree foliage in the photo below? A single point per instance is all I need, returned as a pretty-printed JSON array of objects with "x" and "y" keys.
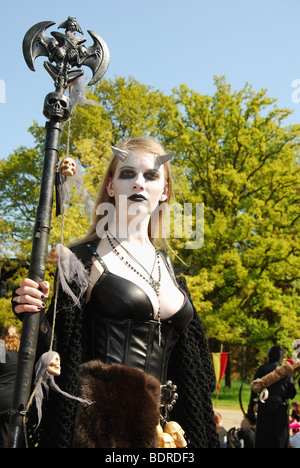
[
  {"x": 247, "y": 175},
  {"x": 235, "y": 155}
]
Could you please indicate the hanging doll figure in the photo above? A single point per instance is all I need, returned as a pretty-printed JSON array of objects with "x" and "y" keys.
[{"x": 48, "y": 367}]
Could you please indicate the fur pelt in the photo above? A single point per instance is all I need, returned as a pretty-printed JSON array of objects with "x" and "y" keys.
[{"x": 125, "y": 411}]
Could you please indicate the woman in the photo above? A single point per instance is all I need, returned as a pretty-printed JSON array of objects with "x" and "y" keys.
[
  {"x": 133, "y": 312},
  {"x": 8, "y": 368}
]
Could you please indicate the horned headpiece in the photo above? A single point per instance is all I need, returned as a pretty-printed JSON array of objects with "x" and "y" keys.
[{"x": 124, "y": 155}]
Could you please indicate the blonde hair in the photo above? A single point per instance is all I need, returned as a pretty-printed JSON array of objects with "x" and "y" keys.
[
  {"x": 143, "y": 143},
  {"x": 11, "y": 338}
]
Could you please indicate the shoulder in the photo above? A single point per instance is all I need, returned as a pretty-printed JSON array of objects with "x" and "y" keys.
[{"x": 83, "y": 250}]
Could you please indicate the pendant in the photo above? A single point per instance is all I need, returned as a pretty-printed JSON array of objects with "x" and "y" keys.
[{"x": 155, "y": 285}]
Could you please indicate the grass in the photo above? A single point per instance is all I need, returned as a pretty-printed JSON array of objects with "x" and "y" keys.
[{"x": 229, "y": 397}]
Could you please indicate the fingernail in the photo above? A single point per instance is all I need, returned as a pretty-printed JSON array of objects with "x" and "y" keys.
[{"x": 43, "y": 304}]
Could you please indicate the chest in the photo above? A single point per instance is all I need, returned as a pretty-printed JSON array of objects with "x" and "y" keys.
[{"x": 169, "y": 299}]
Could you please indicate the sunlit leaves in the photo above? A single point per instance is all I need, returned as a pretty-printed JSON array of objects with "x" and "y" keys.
[{"x": 234, "y": 154}]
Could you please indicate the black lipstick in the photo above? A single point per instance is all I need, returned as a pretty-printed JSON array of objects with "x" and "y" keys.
[{"x": 136, "y": 197}]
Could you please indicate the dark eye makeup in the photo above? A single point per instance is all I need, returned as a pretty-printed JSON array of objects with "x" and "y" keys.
[{"x": 127, "y": 173}]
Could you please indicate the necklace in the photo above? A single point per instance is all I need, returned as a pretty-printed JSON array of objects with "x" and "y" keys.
[{"x": 155, "y": 284}]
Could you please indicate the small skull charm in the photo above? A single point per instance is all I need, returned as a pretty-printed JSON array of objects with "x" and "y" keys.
[
  {"x": 68, "y": 167},
  {"x": 54, "y": 366},
  {"x": 57, "y": 107}
]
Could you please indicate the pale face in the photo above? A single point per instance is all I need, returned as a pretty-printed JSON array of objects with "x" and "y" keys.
[
  {"x": 54, "y": 366},
  {"x": 137, "y": 180}
]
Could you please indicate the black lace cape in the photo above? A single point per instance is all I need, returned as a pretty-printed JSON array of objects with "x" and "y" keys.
[{"x": 190, "y": 369}]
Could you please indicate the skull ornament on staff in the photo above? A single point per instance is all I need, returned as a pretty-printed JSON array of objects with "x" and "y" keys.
[{"x": 57, "y": 106}]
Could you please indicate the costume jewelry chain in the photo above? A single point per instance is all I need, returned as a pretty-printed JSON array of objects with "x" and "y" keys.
[{"x": 155, "y": 284}]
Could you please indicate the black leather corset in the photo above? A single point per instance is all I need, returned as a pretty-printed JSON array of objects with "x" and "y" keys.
[
  {"x": 132, "y": 343},
  {"x": 122, "y": 328}
]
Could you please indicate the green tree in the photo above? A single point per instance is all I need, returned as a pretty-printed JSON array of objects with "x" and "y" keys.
[
  {"x": 235, "y": 155},
  {"x": 19, "y": 183},
  {"x": 242, "y": 162}
]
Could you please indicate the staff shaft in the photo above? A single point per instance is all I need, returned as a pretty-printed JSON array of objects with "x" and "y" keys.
[{"x": 31, "y": 322}]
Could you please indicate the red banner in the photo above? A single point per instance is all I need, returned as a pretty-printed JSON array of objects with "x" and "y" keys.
[{"x": 220, "y": 363}]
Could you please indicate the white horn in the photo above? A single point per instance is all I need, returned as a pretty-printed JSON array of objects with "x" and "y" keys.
[
  {"x": 121, "y": 154},
  {"x": 159, "y": 160}
]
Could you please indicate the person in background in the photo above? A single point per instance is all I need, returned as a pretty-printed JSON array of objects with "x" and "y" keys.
[
  {"x": 295, "y": 417},
  {"x": 295, "y": 440},
  {"x": 8, "y": 367},
  {"x": 246, "y": 433},
  {"x": 222, "y": 433},
  {"x": 272, "y": 425}
]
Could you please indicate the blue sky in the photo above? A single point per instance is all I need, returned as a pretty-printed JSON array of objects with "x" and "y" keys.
[{"x": 161, "y": 43}]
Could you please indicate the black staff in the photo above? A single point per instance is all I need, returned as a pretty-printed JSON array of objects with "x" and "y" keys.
[{"x": 64, "y": 51}]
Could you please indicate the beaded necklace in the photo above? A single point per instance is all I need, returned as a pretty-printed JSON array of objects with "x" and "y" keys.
[{"x": 155, "y": 284}]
